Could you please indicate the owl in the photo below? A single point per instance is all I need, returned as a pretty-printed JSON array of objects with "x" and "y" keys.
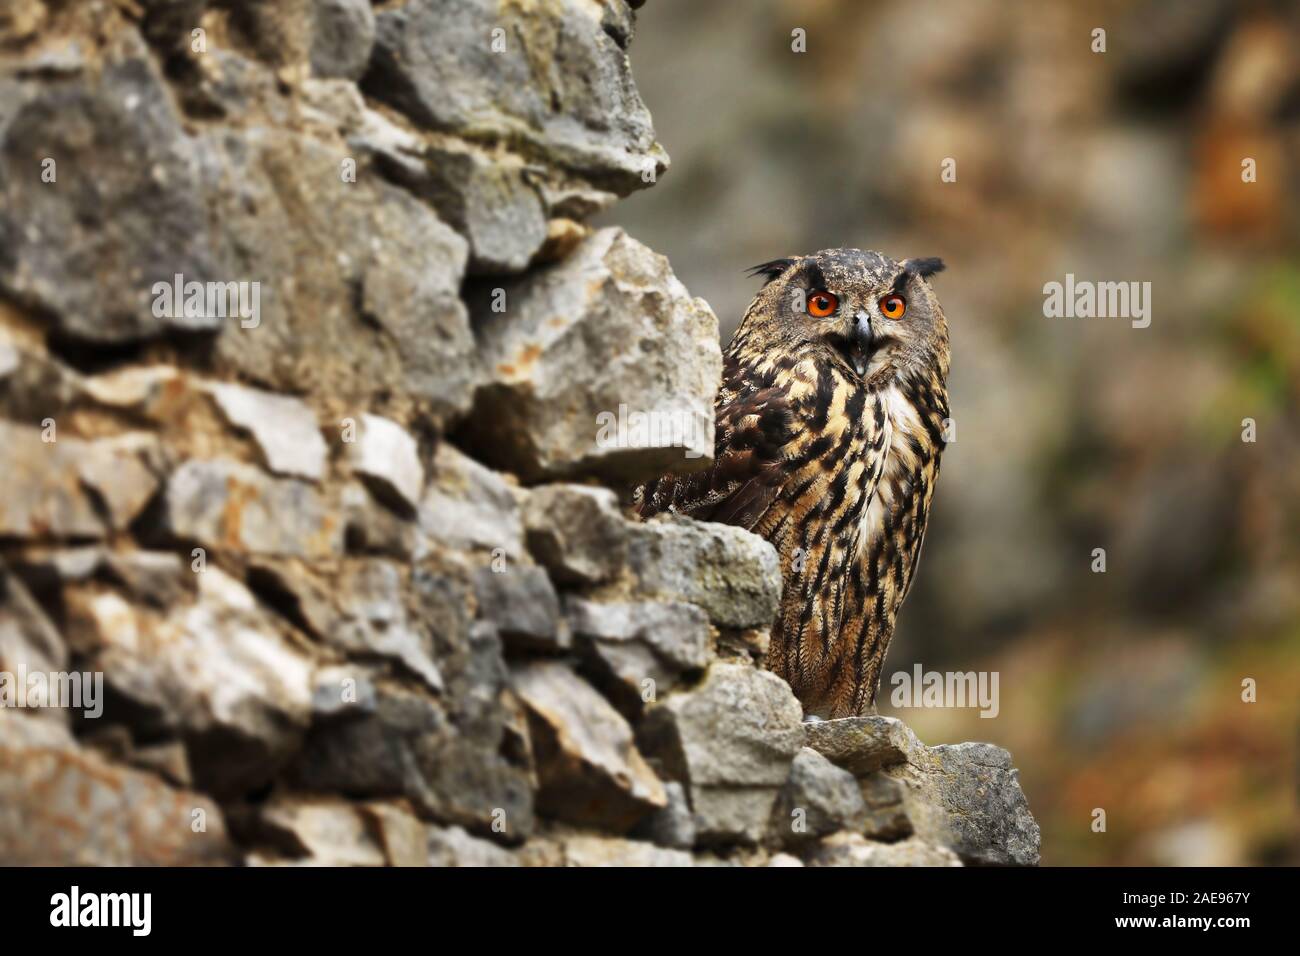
[{"x": 831, "y": 419}]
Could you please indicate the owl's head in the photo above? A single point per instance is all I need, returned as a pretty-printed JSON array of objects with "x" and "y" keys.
[{"x": 877, "y": 315}]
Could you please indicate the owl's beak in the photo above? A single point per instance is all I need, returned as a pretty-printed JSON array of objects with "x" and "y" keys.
[{"x": 861, "y": 338}]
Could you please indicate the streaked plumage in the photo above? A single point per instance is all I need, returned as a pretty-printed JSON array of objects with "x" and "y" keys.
[{"x": 829, "y": 433}]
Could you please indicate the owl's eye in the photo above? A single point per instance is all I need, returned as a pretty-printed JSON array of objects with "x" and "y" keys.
[
  {"x": 893, "y": 306},
  {"x": 822, "y": 303}
]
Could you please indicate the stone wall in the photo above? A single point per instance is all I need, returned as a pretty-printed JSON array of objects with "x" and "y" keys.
[{"x": 351, "y": 559}]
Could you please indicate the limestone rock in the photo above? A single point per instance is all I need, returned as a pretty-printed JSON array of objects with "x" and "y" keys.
[
  {"x": 588, "y": 767},
  {"x": 406, "y": 745},
  {"x": 863, "y": 744},
  {"x": 576, "y": 532},
  {"x": 343, "y": 34},
  {"x": 489, "y": 199},
  {"x": 452, "y": 846},
  {"x": 218, "y": 673},
  {"x": 283, "y": 427},
  {"x": 730, "y": 741},
  {"x": 965, "y": 797},
  {"x": 574, "y": 344},
  {"x": 968, "y": 797},
  {"x": 385, "y": 454},
  {"x": 468, "y": 506},
  {"x": 557, "y": 82},
  {"x": 226, "y": 505},
  {"x": 369, "y": 619},
  {"x": 818, "y": 799},
  {"x": 89, "y": 257},
  {"x": 66, "y": 806},
  {"x": 60, "y": 485},
  {"x": 732, "y": 574},
  {"x": 672, "y": 826},
  {"x": 609, "y": 851},
  {"x": 328, "y": 832},
  {"x": 852, "y": 849},
  {"x": 631, "y": 642},
  {"x": 522, "y": 604}
]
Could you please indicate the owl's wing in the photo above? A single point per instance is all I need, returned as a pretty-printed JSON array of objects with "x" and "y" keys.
[{"x": 753, "y": 429}]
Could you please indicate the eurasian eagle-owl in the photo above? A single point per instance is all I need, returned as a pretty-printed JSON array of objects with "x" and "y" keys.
[{"x": 831, "y": 418}]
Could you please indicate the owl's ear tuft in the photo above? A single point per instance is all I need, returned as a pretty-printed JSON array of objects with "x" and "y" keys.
[
  {"x": 923, "y": 267},
  {"x": 770, "y": 270}
]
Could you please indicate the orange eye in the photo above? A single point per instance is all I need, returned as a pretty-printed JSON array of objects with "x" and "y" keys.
[
  {"x": 822, "y": 303},
  {"x": 893, "y": 306}
]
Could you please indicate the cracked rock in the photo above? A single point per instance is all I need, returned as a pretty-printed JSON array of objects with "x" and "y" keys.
[
  {"x": 558, "y": 77},
  {"x": 576, "y": 532},
  {"x": 226, "y": 505},
  {"x": 67, "y": 806},
  {"x": 730, "y": 741},
  {"x": 385, "y": 454},
  {"x": 564, "y": 348},
  {"x": 283, "y": 427},
  {"x": 732, "y": 574},
  {"x": 588, "y": 767},
  {"x": 818, "y": 799}
]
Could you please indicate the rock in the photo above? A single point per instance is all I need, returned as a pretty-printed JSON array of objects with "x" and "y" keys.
[
  {"x": 401, "y": 835},
  {"x": 576, "y": 532},
  {"x": 361, "y": 303},
  {"x": 555, "y": 87},
  {"x": 784, "y": 859},
  {"x": 219, "y": 674},
  {"x": 342, "y": 36},
  {"x": 341, "y": 690},
  {"x": 564, "y": 348},
  {"x": 117, "y": 473},
  {"x": 406, "y": 746},
  {"x": 328, "y": 832},
  {"x": 609, "y": 851},
  {"x": 730, "y": 741},
  {"x": 965, "y": 797},
  {"x": 488, "y": 199},
  {"x": 372, "y": 620},
  {"x": 467, "y": 506},
  {"x": 88, "y": 256},
  {"x": 733, "y": 575},
  {"x": 225, "y": 505},
  {"x": 677, "y": 633},
  {"x": 62, "y": 805},
  {"x": 589, "y": 770},
  {"x": 371, "y": 528},
  {"x": 818, "y": 799},
  {"x": 283, "y": 427},
  {"x": 631, "y": 642},
  {"x": 28, "y": 639},
  {"x": 968, "y": 797},
  {"x": 388, "y": 457},
  {"x": 886, "y": 813},
  {"x": 522, "y": 604},
  {"x": 674, "y": 825},
  {"x": 852, "y": 849},
  {"x": 69, "y": 488},
  {"x": 452, "y": 846},
  {"x": 863, "y": 744}
]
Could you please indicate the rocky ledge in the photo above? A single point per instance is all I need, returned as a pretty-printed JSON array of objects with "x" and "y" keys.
[{"x": 349, "y": 560}]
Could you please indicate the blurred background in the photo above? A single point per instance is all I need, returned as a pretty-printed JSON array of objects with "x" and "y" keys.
[{"x": 1123, "y": 690}]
